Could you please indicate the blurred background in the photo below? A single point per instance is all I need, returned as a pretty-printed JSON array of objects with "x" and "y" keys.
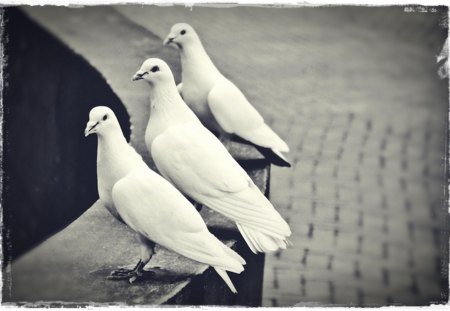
[{"x": 355, "y": 93}]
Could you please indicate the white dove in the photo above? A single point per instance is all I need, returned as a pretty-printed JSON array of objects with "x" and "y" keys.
[
  {"x": 195, "y": 161},
  {"x": 153, "y": 207},
  {"x": 218, "y": 103},
  {"x": 109, "y": 170}
]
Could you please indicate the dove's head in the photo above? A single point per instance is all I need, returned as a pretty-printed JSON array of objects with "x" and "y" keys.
[
  {"x": 154, "y": 70},
  {"x": 101, "y": 120},
  {"x": 180, "y": 35}
]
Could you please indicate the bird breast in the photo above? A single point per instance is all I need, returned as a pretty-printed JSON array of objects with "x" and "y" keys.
[{"x": 195, "y": 95}]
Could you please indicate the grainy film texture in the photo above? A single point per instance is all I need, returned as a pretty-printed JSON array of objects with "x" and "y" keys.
[{"x": 354, "y": 91}]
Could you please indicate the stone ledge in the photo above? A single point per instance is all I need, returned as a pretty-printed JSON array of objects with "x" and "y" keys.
[{"x": 70, "y": 267}]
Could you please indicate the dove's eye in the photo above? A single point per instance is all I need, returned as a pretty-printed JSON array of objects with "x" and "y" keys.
[
  {"x": 105, "y": 117},
  {"x": 183, "y": 32},
  {"x": 155, "y": 69}
]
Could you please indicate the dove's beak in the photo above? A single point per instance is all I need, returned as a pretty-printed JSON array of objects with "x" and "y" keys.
[
  {"x": 89, "y": 127},
  {"x": 169, "y": 39},
  {"x": 138, "y": 75}
]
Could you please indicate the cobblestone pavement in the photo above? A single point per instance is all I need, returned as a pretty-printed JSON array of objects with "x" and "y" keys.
[{"x": 355, "y": 94}]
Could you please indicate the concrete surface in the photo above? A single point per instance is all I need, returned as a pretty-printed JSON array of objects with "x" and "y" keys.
[{"x": 356, "y": 96}]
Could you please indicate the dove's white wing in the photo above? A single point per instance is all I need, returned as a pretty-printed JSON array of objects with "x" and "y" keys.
[
  {"x": 154, "y": 208},
  {"x": 237, "y": 116},
  {"x": 199, "y": 165},
  {"x": 189, "y": 154}
]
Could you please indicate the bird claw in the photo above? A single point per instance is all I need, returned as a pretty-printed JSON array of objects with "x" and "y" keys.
[
  {"x": 131, "y": 275},
  {"x": 134, "y": 278},
  {"x": 121, "y": 271},
  {"x": 121, "y": 274}
]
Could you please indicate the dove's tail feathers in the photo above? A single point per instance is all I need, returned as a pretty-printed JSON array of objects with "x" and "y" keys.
[
  {"x": 264, "y": 136},
  {"x": 261, "y": 242},
  {"x": 235, "y": 255},
  {"x": 252, "y": 209},
  {"x": 208, "y": 249},
  {"x": 274, "y": 156},
  {"x": 224, "y": 275},
  {"x": 289, "y": 243},
  {"x": 261, "y": 225}
]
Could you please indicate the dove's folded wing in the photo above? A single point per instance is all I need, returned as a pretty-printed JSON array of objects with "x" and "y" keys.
[
  {"x": 237, "y": 116},
  {"x": 205, "y": 247},
  {"x": 155, "y": 209},
  {"x": 251, "y": 208},
  {"x": 196, "y": 162},
  {"x": 148, "y": 204},
  {"x": 231, "y": 109},
  {"x": 264, "y": 136}
]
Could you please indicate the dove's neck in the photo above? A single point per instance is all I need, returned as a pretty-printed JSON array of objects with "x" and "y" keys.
[
  {"x": 113, "y": 148},
  {"x": 166, "y": 101},
  {"x": 194, "y": 59},
  {"x": 113, "y": 136},
  {"x": 163, "y": 94},
  {"x": 167, "y": 109}
]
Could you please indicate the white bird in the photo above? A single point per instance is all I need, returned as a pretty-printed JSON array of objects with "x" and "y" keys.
[
  {"x": 218, "y": 103},
  {"x": 109, "y": 169},
  {"x": 195, "y": 161},
  {"x": 153, "y": 207}
]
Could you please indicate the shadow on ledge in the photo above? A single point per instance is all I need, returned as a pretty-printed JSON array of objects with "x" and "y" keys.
[{"x": 49, "y": 166}]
